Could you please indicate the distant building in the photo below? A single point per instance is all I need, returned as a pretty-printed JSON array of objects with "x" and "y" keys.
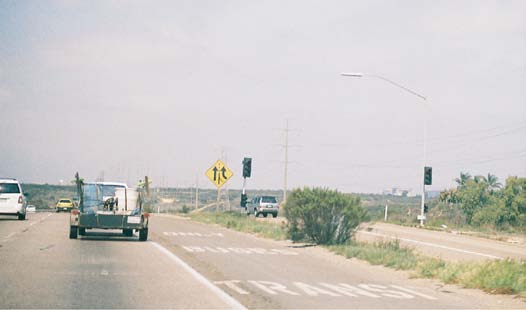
[
  {"x": 432, "y": 194},
  {"x": 399, "y": 192}
]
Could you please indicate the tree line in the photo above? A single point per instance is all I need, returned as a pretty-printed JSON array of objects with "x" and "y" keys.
[{"x": 485, "y": 201}]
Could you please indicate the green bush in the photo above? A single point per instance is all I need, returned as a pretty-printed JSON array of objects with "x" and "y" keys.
[
  {"x": 185, "y": 209},
  {"x": 322, "y": 216}
]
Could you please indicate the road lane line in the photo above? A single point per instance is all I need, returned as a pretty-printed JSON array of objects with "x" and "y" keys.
[
  {"x": 234, "y": 304},
  {"x": 10, "y": 235},
  {"x": 405, "y": 289},
  {"x": 433, "y": 245}
]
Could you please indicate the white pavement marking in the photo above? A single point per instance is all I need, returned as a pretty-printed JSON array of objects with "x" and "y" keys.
[
  {"x": 191, "y": 234},
  {"x": 248, "y": 251},
  {"x": 302, "y": 289},
  {"x": 40, "y": 219},
  {"x": 405, "y": 289},
  {"x": 30, "y": 224},
  {"x": 10, "y": 235},
  {"x": 433, "y": 245},
  {"x": 272, "y": 287},
  {"x": 232, "y": 284},
  {"x": 234, "y": 304},
  {"x": 312, "y": 290}
]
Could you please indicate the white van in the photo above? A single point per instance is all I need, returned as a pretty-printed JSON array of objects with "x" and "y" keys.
[{"x": 12, "y": 200}]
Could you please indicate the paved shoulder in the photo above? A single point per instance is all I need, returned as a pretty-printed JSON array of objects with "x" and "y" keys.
[{"x": 262, "y": 273}]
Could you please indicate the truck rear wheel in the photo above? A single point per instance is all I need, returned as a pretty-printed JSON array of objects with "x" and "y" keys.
[
  {"x": 73, "y": 232},
  {"x": 143, "y": 234},
  {"x": 127, "y": 232},
  {"x": 82, "y": 231}
]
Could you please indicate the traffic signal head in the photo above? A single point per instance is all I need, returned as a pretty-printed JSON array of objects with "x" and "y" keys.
[
  {"x": 426, "y": 208},
  {"x": 243, "y": 200},
  {"x": 247, "y": 167},
  {"x": 428, "y": 176}
]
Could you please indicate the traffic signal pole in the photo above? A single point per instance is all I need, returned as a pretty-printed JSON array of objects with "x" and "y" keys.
[
  {"x": 423, "y": 203},
  {"x": 244, "y": 185},
  {"x": 247, "y": 170},
  {"x": 425, "y": 107}
]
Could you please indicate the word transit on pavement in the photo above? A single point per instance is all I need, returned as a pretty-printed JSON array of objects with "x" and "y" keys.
[{"x": 219, "y": 173}]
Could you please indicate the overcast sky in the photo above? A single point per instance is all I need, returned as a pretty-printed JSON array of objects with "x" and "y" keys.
[{"x": 165, "y": 88}]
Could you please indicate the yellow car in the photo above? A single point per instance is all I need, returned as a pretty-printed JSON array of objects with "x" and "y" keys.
[{"x": 65, "y": 204}]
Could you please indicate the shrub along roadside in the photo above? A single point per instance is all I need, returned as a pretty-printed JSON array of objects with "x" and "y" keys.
[
  {"x": 322, "y": 216},
  {"x": 497, "y": 277}
]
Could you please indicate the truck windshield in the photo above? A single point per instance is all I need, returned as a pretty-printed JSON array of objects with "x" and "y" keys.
[
  {"x": 95, "y": 194},
  {"x": 92, "y": 198}
]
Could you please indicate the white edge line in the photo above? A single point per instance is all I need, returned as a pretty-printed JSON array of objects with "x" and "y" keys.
[
  {"x": 432, "y": 245},
  {"x": 222, "y": 295}
]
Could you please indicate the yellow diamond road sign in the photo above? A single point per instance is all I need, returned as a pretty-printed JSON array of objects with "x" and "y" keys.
[{"x": 219, "y": 173}]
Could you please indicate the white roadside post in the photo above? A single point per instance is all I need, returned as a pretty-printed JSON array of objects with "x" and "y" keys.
[{"x": 421, "y": 217}]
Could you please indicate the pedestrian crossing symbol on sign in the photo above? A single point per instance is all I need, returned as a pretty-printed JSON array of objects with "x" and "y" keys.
[{"x": 219, "y": 173}]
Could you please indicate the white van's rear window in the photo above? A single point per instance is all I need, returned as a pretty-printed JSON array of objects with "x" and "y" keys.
[{"x": 9, "y": 188}]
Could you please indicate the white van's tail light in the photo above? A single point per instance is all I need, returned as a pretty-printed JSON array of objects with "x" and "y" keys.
[{"x": 20, "y": 199}]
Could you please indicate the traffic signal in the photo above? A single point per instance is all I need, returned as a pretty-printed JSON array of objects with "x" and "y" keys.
[
  {"x": 243, "y": 200},
  {"x": 247, "y": 167},
  {"x": 428, "y": 175},
  {"x": 426, "y": 208}
]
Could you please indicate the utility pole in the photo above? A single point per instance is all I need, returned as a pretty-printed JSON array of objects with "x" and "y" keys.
[
  {"x": 286, "y": 160},
  {"x": 196, "y": 192},
  {"x": 286, "y": 146}
]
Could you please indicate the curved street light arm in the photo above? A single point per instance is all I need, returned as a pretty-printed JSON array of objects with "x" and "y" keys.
[
  {"x": 398, "y": 85},
  {"x": 358, "y": 74}
]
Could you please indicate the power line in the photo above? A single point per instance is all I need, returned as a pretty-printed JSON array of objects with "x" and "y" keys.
[{"x": 507, "y": 131}]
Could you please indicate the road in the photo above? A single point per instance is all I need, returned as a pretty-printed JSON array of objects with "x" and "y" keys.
[
  {"x": 445, "y": 245},
  {"x": 42, "y": 268},
  {"x": 196, "y": 266}
]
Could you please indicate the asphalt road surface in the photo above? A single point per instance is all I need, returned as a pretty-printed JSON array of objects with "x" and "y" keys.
[{"x": 196, "y": 266}]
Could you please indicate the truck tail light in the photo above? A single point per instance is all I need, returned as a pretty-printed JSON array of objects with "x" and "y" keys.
[
  {"x": 20, "y": 199},
  {"x": 75, "y": 212},
  {"x": 146, "y": 215}
]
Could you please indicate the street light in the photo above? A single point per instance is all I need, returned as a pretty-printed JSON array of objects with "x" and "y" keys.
[{"x": 359, "y": 75}]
